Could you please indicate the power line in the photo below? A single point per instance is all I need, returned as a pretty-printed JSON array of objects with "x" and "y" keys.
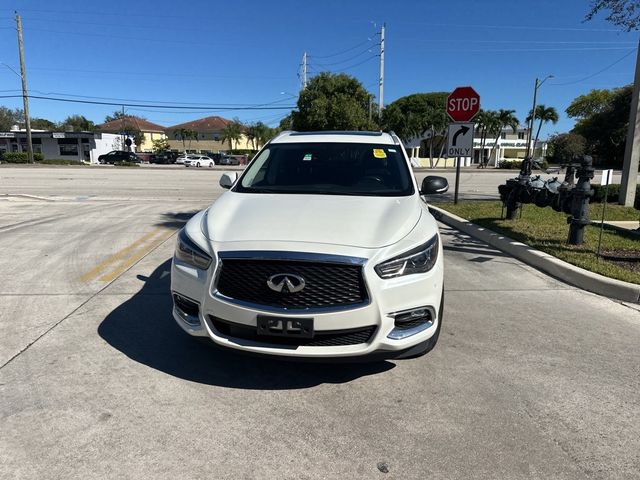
[
  {"x": 93, "y": 97},
  {"x": 337, "y": 54},
  {"x": 346, "y": 59},
  {"x": 512, "y": 27},
  {"x": 596, "y": 73},
  {"x": 156, "y": 74},
  {"x": 356, "y": 64},
  {"x": 118, "y": 104}
]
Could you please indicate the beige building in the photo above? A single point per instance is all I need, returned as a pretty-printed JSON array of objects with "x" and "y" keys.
[
  {"x": 207, "y": 137},
  {"x": 151, "y": 131}
]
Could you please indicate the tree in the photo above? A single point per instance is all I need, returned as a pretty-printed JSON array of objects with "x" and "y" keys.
[
  {"x": 78, "y": 123},
  {"x": 566, "y": 146},
  {"x": 596, "y": 101},
  {"x": 544, "y": 114},
  {"x": 9, "y": 118},
  {"x": 161, "y": 145},
  {"x": 185, "y": 134},
  {"x": 332, "y": 102},
  {"x": 484, "y": 120},
  {"x": 500, "y": 120},
  {"x": 604, "y": 123},
  {"x": 137, "y": 135},
  {"x": 118, "y": 115},
  {"x": 43, "y": 124},
  {"x": 232, "y": 132},
  {"x": 285, "y": 124},
  {"x": 623, "y": 13}
]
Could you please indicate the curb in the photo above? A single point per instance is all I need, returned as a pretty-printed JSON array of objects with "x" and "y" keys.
[{"x": 579, "y": 277}]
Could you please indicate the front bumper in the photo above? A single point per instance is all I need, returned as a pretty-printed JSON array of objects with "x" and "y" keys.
[{"x": 387, "y": 299}]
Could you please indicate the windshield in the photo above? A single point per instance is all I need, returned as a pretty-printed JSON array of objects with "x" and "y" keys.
[{"x": 329, "y": 168}]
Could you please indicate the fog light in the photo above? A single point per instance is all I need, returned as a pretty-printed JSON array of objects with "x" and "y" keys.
[
  {"x": 411, "y": 322},
  {"x": 187, "y": 309}
]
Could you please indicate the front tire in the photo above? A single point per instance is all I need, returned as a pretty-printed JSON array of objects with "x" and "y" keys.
[{"x": 198, "y": 165}]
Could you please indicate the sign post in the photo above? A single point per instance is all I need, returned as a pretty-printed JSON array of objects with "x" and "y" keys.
[
  {"x": 462, "y": 105},
  {"x": 607, "y": 176}
]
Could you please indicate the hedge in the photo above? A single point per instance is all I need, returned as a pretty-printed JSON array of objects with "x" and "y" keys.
[
  {"x": 516, "y": 164},
  {"x": 613, "y": 195},
  {"x": 20, "y": 157}
]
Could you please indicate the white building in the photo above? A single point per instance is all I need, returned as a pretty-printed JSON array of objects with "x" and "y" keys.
[
  {"x": 78, "y": 146},
  {"x": 510, "y": 146}
]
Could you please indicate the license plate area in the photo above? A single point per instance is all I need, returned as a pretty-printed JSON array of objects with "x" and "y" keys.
[{"x": 285, "y": 327}]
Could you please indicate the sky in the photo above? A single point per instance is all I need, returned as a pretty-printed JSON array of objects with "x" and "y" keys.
[{"x": 222, "y": 55}]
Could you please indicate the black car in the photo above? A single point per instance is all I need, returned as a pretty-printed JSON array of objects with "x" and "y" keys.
[
  {"x": 118, "y": 156},
  {"x": 164, "y": 158}
]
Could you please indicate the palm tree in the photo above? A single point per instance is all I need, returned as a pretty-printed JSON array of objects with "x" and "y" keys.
[
  {"x": 484, "y": 121},
  {"x": 544, "y": 114},
  {"x": 185, "y": 134},
  {"x": 503, "y": 119},
  {"x": 231, "y": 133}
]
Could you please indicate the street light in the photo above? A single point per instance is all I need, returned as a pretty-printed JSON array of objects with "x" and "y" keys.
[{"x": 537, "y": 85}]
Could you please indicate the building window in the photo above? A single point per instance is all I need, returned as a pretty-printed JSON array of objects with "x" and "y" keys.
[
  {"x": 520, "y": 135},
  {"x": 503, "y": 135},
  {"x": 68, "y": 147},
  {"x": 216, "y": 137}
]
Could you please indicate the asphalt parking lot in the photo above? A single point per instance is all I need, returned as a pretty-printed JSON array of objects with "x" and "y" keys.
[{"x": 531, "y": 378}]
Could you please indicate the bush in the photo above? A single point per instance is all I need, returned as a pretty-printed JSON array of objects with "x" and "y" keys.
[
  {"x": 509, "y": 164},
  {"x": 613, "y": 196},
  {"x": 20, "y": 157},
  {"x": 126, "y": 164},
  {"x": 517, "y": 164}
]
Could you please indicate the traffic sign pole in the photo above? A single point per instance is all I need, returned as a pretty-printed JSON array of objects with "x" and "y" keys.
[{"x": 462, "y": 105}]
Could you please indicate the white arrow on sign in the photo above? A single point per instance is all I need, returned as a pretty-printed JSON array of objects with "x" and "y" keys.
[{"x": 460, "y": 140}]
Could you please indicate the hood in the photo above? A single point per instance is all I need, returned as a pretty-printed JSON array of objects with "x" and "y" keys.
[{"x": 367, "y": 222}]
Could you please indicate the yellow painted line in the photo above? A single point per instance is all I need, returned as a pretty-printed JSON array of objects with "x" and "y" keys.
[
  {"x": 98, "y": 269},
  {"x": 128, "y": 262}
]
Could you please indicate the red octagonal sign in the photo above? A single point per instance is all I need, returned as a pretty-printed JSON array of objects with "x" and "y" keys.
[{"x": 463, "y": 104}]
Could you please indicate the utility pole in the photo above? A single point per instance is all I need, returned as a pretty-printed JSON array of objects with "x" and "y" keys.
[
  {"x": 304, "y": 70},
  {"x": 25, "y": 95},
  {"x": 532, "y": 121},
  {"x": 381, "y": 86},
  {"x": 629, "y": 181},
  {"x": 123, "y": 128}
]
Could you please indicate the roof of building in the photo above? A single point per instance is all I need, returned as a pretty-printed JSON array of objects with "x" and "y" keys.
[
  {"x": 206, "y": 124},
  {"x": 130, "y": 122}
]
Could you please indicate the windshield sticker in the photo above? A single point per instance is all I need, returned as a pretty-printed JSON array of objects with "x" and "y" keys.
[
  {"x": 379, "y": 153},
  {"x": 307, "y": 158},
  {"x": 392, "y": 150}
]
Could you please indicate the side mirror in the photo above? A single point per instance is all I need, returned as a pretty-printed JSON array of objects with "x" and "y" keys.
[
  {"x": 228, "y": 179},
  {"x": 432, "y": 185}
]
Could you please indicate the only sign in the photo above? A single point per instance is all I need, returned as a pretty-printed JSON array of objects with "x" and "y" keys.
[{"x": 463, "y": 104}]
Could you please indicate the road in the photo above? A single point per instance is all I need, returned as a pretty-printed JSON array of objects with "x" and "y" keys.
[{"x": 531, "y": 378}]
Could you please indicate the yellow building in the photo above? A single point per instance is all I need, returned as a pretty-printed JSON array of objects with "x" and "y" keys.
[
  {"x": 151, "y": 131},
  {"x": 207, "y": 136}
]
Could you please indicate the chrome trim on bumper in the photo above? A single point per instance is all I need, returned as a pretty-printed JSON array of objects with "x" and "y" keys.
[{"x": 402, "y": 333}]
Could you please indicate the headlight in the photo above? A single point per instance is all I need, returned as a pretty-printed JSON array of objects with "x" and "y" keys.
[
  {"x": 187, "y": 251},
  {"x": 419, "y": 260}
]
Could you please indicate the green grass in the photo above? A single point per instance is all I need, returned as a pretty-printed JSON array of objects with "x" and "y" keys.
[{"x": 547, "y": 230}]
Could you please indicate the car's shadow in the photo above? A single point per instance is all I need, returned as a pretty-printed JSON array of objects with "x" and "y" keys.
[{"x": 143, "y": 329}]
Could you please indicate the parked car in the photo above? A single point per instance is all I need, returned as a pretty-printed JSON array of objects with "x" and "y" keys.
[
  {"x": 229, "y": 160},
  {"x": 163, "y": 158},
  {"x": 323, "y": 248},
  {"x": 181, "y": 159},
  {"x": 199, "y": 161},
  {"x": 118, "y": 156}
]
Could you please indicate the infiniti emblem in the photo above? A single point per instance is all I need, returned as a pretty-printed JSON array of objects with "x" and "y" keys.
[{"x": 286, "y": 283}]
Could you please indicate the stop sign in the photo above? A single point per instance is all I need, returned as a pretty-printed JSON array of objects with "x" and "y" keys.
[{"x": 463, "y": 104}]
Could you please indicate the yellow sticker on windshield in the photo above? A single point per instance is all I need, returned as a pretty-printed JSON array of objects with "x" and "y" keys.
[{"x": 379, "y": 153}]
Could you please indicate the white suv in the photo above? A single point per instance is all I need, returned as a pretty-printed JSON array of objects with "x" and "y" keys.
[{"x": 323, "y": 248}]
